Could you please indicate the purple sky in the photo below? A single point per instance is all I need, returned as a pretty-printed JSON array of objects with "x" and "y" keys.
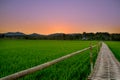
[{"x": 68, "y": 16}]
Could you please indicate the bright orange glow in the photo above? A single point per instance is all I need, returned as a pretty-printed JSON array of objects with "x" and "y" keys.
[
  {"x": 59, "y": 16},
  {"x": 43, "y": 28},
  {"x": 58, "y": 26}
]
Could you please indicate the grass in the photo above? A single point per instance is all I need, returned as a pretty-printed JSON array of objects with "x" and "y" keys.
[
  {"x": 17, "y": 55},
  {"x": 115, "y": 47}
]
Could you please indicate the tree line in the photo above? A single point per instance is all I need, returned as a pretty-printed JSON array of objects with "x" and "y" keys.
[{"x": 63, "y": 36}]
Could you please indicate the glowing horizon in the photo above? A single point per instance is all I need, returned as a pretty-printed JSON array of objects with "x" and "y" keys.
[{"x": 47, "y": 17}]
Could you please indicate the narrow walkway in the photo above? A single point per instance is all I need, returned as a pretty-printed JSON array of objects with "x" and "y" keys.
[{"x": 107, "y": 67}]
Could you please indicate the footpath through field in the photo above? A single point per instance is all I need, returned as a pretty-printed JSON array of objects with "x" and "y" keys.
[{"x": 106, "y": 67}]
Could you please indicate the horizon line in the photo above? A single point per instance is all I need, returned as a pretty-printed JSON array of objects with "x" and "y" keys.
[{"x": 56, "y": 32}]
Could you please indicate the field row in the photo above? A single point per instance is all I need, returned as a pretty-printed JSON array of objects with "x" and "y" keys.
[
  {"x": 17, "y": 55},
  {"x": 115, "y": 47}
]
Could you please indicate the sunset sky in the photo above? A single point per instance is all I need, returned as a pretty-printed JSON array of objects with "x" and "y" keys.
[{"x": 59, "y": 16}]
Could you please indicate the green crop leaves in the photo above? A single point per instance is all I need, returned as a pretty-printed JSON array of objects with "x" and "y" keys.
[
  {"x": 17, "y": 55},
  {"x": 115, "y": 47}
]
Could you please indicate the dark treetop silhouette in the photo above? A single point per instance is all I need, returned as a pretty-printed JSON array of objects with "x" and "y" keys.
[{"x": 63, "y": 36}]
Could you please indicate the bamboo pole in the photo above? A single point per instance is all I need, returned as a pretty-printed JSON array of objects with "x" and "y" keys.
[
  {"x": 91, "y": 57},
  {"x": 98, "y": 46}
]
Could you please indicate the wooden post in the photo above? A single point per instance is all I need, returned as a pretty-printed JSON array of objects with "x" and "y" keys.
[
  {"x": 91, "y": 60},
  {"x": 98, "y": 48}
]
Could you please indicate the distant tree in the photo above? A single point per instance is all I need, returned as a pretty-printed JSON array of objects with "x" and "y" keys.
[
  {"x": 115, "y": 37},
  {"x": 62, "y": 36}
]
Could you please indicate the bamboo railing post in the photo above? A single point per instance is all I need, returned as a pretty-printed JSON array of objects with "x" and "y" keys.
[
  {"x": 98, "y": 47},
  {"x": 91, "y": 56}
]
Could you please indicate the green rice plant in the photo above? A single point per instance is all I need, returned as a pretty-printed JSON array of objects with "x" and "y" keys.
[
  {"x": 115, "y": 47},
  {"x": 17, "y": 55}
]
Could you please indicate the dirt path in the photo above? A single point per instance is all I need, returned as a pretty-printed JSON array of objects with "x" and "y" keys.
[{"x": 106, "y": 67}]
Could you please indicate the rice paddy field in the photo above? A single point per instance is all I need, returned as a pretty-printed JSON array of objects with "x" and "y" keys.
[
  {"x": 17, "y": 55},
  {"x": 115, "y": 47}
]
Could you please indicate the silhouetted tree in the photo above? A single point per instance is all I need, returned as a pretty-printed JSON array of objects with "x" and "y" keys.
[{"x": 62, "y": 36}]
